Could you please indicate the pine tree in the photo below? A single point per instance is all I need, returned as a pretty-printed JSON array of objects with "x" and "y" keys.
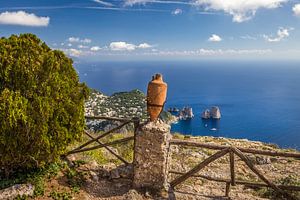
[{"x": 41, "y": 103}]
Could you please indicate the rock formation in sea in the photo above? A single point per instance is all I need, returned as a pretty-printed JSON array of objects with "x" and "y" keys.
[
  {"x": 215, "y": 112},
  {"x": 186, "y": 113},
  {"x": 205, "y": 114}
]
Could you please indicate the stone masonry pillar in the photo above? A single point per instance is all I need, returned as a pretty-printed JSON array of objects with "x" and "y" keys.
[{"x": 151, "y": 156}]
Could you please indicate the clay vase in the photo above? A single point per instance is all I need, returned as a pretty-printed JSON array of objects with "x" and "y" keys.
[{"x": 156, "y": 96}]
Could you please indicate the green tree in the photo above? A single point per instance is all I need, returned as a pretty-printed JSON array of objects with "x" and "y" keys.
[{"x": 41, "y": 103}]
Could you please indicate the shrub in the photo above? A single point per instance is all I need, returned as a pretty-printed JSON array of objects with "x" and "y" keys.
[{"x": 41, "y": 103}]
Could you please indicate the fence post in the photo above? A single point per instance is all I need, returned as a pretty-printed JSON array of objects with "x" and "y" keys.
[{"x": 151, "y": 152}]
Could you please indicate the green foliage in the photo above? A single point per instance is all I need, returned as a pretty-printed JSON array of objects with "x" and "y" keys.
[
  {"x": 60, "y": 195},
  {"x": 75, "y": 178},
  {"x": 36, "y": 177},
  {"x": 289, "y": 180},
  {"x": 41, "y": 103},
  {"x": 124, "y": 150}
]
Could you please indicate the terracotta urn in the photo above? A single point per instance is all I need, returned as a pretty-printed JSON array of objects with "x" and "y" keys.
[{"x": 156, "y": 96}]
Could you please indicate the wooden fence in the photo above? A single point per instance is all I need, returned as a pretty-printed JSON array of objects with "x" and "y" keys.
[
  {"x": 233, "y": 151},
  {"x": 223, "y": 150},
  {"x": 124, "y": 122}
]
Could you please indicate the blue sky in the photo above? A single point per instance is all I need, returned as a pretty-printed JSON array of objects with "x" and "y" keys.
[{"x": 160, "y": 29}]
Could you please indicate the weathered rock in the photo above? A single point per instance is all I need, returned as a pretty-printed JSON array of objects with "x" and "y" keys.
[
  {"x": 114, "y": 174},
  {"x": 186, "y": 113},
  {"x": 133, "y": 194},
  {"x": 215, "y": 112},
  {"x": 205, "y": 114},
  {"x": 94, "y": 176},
  {"x": 16, "y": 190},
  {"x": 123, "y": 171},
  {"x": 259, "y": 160},
  {"x": 262, "y": 160}
]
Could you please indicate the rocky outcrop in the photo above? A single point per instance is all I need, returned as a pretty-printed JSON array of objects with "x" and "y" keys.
[
  {"x": 205, "y": 114},
  {"x": 186, "y": 113},
  {"x": 215, "y": 112},
  {"x": 15, "y": 191}
]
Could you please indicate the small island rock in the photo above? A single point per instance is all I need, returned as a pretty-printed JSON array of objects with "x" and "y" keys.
[
  {"x": 215, "y": 112},
  {"x": 205, "y": 114}
]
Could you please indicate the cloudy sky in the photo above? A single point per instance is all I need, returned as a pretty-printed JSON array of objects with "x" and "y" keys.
[{"x": 160, "y": 29}]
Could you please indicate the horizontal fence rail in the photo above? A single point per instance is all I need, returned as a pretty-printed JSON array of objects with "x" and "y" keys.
[
  {"x": 238, "y": 182},
  {"x": 232, "y": 151},
  {"x": 244, "y": 150}
]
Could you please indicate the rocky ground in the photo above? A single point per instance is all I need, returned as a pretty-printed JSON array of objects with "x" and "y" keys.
[
  {"x": 276, "y": 169},
  {"x": 87, "y": 177}
]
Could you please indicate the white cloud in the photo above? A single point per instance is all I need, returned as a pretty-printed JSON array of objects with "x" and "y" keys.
[
  {"x": 104, "y": 3},
  {"x": 95, "y": 48},
  {"x": 144, "y": 46},
  {"x": 212, "y": 52},
  {"x": 123, "y": 46},
  {"x": 23, "y": 18},
  {"x": 133, "y": 2},
  {"x": 78, "y": 40},
  {"x": 86, "y": 40},
  {"x": 73, "y": 39},
  {"x": 241, "y": 10},
  {"x": 82, "y": 46},
  {"x": 215, "y": 38},
  {"x": 177, "y": 11},
  {"x": 73, "y": 52},
  {"x": 281, "y": 34},
  {"x": 144, "y": 2},
  {"x": 296, "y": 10}
]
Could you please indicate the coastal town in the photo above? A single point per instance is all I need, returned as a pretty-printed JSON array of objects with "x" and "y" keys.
[
  {"x": 122, "y": 104},
  {"x": 133, "y": 104}
]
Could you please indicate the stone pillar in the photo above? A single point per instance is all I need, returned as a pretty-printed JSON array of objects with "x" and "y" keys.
[{"x": 151, "y": 156}]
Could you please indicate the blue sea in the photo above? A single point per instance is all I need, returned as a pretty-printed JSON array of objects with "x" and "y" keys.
[{"x": 258, "y": 100}]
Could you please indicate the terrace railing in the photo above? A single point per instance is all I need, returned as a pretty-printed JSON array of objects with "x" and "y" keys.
[
  {"x": 233, "y": 151},
  {"x": 84, "y": 147}
]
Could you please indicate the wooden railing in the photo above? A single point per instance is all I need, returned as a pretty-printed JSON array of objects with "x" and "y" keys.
[
  {"x": 233, "y": 151},
  {"x": 84, "y": 148}
]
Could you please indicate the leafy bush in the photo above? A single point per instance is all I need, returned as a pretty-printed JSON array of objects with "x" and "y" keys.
[
  {"x": 289, "y": 180},
  {"x": 41, "y": 103}
]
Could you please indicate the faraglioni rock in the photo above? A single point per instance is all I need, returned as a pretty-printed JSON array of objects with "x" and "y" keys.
[
  {"x": 215, "y": 112},
  {"x": 186, "y": 113},
  {"x": 205, "y": 114}
]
